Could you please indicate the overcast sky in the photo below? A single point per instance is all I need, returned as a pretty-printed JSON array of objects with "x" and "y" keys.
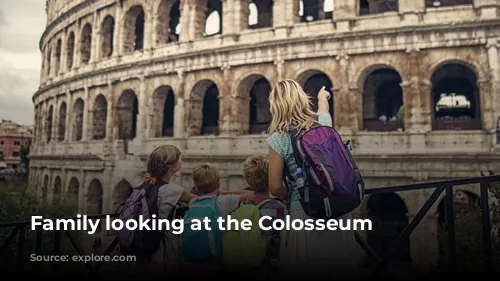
[{"x": 22, "y": 23}]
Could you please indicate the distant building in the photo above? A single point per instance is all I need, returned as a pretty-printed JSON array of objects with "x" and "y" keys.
[{"x": 13, "y": 137}]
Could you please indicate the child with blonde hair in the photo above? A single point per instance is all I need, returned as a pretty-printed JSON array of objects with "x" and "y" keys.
[{"x": 202, "y": 247}]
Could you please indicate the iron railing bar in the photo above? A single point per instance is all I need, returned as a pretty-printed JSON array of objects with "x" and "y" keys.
[
  {"x": 79, "y": 251},
  {"x": 486, "y": 223},
  {"x": 428, "y": 185},
  {"x": 410, "y": 228},
  {"x": 369, "y": 250},
  {"x": 57, "y": 248},
  {"x": 9, "y": 239},
  {"x": 450, "y": 228},
  {"x": 20, "y": 247}
]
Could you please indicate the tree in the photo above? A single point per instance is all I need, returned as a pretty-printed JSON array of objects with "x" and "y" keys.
[{"x": 25, "y": 151}]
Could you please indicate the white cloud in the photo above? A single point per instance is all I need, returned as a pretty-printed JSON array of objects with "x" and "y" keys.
[{"x": 21, "y": 26}]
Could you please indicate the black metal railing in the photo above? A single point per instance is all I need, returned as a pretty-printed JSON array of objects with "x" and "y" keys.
[{"x": 19, "y": 228}]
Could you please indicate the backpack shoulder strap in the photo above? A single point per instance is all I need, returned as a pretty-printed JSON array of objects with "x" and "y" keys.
[{"x": 264, "y": 202}]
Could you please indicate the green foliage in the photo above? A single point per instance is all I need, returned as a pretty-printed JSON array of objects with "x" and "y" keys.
[
  {"x": 25, "y": 152},
  {"x": 401, "y": 113},
  {"x": 19, "y": 203},
  {"x": 469, "y": 236}
]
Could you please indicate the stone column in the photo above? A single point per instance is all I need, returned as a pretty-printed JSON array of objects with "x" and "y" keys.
[
  {"x": 110, "y": 113},
  {"x": 185, "y": 10},
  {"x": 55, "y": 124},
  {"x": 82, "y": 190},
  {"x": 347, "y": 105},
  {"x": 179, "y": 107},
  {"x": 283, "y": 24},
  {"x": 235, "y": 16},
  {"x": 493, "y": 47},
  {"x": 96, "y": 39},
  {"x": 62, "y": 60},
  {"x": 69, "y": 117},
  {"x": 149, "y": 27},
  {"x": 487, "y": 8},
  {"x": 486, "y": 108},
  {"x": 280, "y": 69},
  {"x": 117, "y": 39},
  {"x": 143, "y": 109},
  {"x": 78, "y": 46},
  {"x": 414, "y": 99},
  {"x": 86, "y": 111},
  {"x": 343, "y": 13},
  {"x": 227, "y": 121},
  {"x": 198, "y": 10}
]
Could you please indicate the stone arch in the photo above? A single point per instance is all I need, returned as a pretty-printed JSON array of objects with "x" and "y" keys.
[
  {"x": 70, "y": 50},
  {"x": 58, "y": 55},
  {"x": 48, "y": 124},
  {"x": 204, "y": 108},
  {"x": 86, "y": 44},
  {"x": 61, "y": 130},
  {"x": 455, "y": 97},
  {"x": 135, "y": 20},
  {"x": 260, "y": 13},
  {"x": 45, "y": 187},
  {"x": 107, "y": 36},
  {"x": 371, "y": 7},
  {"x": 213, "y": 21},
  {"x": 389, "y": 216},
  {"x": 99, "y": 117},
  {"x": 49, "y": 60},
  {"x": 121, "y": 192},
  {"x": 168, "y": 22},
  {"x": 255, "y": 90},
  {"x": 126, "y": 112},
  {"x": 72, "y": 193},
  {"x": 94, "y": 198},
  {"x": 78, "y": 108},
  {"x": 163, "y": 112},
  {"x": 57, "y": 191},
  {"x": 311, "y": 81},
  {"x": 382, "y": 99}
]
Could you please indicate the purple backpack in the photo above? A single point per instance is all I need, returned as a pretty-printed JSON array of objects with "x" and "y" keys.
[
  {"x": 142, "y": 202},
  {"x": 333, "y": 185}
]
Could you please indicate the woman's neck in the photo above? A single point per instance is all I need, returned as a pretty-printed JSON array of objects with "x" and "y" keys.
[{"x": 168, "y": 177}]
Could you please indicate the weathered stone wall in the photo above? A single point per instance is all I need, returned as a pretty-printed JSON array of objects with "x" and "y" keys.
[{"x": 91, "y": 143}]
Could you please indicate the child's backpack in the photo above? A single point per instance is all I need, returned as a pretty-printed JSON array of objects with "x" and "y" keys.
[
  {"x": 333, "y": 185},
  {"x": 142, "y": 202},
  {"x": 202, "y": 244},
  {"x": 245, "y": 249}
]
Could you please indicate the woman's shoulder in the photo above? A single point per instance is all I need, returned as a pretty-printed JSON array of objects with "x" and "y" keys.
[{"x": 325, "y": 119}]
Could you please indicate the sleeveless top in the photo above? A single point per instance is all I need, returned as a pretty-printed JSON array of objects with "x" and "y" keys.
[{"x": 281, "y": 144}]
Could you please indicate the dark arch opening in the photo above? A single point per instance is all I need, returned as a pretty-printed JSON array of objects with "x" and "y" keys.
[
  {"x": 108, "y": 33},
  {"x": 168, "y": 115},
  {"x": 456, "y": 98},
  {"x": 371, "y": 7},
  {"x": 210, "y": 124},
  {"x": 139, "y": 31},
  {"x": 86, "y": 44},
  {"x": 262, "y": 12},
  {"x": 260, "y": 113},
  {"x": 312, "y": 86},
  {"x": 388, "y": 214},
  {"x": 383, "y": 101},
  {"x": 127, "y": 111},
  {"x": 70, "y": 50},
  {"x": 61, "y": 131}
]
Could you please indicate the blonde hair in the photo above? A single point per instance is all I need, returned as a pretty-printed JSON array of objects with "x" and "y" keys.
[
  {"x": 290, "y": 105},
  {"x": 162, "y": 159},
  {"x": 206, "y": 178},
  {"x": 256, "y": 172}
]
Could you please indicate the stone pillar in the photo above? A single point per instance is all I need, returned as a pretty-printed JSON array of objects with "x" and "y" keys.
[
  {"x": 117, "y": 39},
  {"x": 348, "y": 101},
  {"x": 411, "y": 8},
  {"x": 280, "y": 69},
  {"x": 282, "y": 24},
  {"x": 69, "y": 117},
  {"x": 488, "y": 8},
  {"x": 179, "y": 107},
  {"x": 185, "y": 10},
  {"x": 86, "y": 110},
  {"x": 82, "y": 190},
  {"x": 493, "y": 47},
  {"x": 96, "y": 38},
  {"x": 343, "y": 13},
  {"x": 143, "y": 110},
  {"x": 148, "y": 27},
  {"x": 414, "y": 99},
  {"x": 197, "y": 12},
  {"x": 109, "y": 113},
  {"x": 55, "y": 124},
  {"x": 227, "y": 121},
  {"x": 78, "y": 46},
  {"x": 235, "y": 16},
  {"x": 486, "y": 107},
  {"x": 62, "y": 60}
]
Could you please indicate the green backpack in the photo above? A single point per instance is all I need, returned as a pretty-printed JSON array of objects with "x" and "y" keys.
[{"x": 244, "y": 249}]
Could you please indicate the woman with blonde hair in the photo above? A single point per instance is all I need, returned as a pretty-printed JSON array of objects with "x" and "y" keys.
[{"x": 310, "y": 253}]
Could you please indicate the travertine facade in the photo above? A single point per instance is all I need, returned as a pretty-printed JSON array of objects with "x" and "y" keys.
[{"x": 122, "y": 77}]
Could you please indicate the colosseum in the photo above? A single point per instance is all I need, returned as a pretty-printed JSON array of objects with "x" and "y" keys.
[{"x": 415, "y": 83}]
